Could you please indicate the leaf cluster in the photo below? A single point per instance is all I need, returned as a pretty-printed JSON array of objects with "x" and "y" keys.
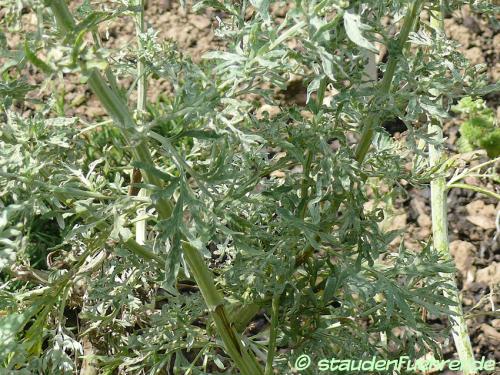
[{"x": 278, "y": 205}]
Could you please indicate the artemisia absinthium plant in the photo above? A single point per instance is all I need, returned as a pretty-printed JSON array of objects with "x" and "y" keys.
[{"x": 246, "y": 214}]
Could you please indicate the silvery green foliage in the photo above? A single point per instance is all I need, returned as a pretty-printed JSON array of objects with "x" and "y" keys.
[{"x": 254, "y": 190}]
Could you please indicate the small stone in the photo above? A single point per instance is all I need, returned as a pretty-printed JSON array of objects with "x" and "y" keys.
[
  {"x": 458, "y": 32},
  {"x": 489, "y": 275},
  {"x": 482, "y": 215},
  {"x": 278, "y": 174},
  {"x": 474, "y": 55},
  {"x": 424, "y": 220},
  {"x": 490, "y": 332},
  {"x": 471, "y": 24},
  {"x": 271, "y": 110},
  {"x": 398, "y": 222},
  {"x": 463, "y": 252},
  {"x": 200, "y": 22}
]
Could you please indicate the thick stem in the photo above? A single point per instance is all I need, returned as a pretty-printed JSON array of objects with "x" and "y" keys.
[
  {"x": 118, "y": 110},
  {"x": 215, "y": 303},
  {"x": 440, "y": 241},
  {"x": 440, "y": 237},
  {"x": 140, "y": 226}
]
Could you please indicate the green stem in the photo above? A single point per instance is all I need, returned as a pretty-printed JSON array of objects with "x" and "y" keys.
[
  {"x": 63, "y": 16},
  {"x": 118, "y": 110},
  {"x": 215, "y": 303},
  {"x": 440, "y": 238},
  {"x": 240, "y": 314},
  {"x": 440, "y": 241},
  {"x": 140, "y": 226},
  {"x": 271, "y": 351},
  {"x": 107, "y": 72},
  {"x": 385, "y": 85},
  {"x": 305, "y": 183},
  {"x": 143, "y": 252},
  {"x": 141, "y": 69},
  {"x": 384, "y": 88}
]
